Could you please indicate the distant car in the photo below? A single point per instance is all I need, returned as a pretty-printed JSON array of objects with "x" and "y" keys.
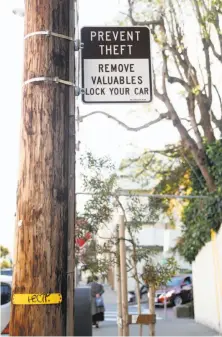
[
  {"x": 178, "y": 291},
  {"x": 143, "y": 290},
  {"x": 6, "y": 271},
  {"x": 6, "y": 284},
  {"x": 132, "y": 294}
]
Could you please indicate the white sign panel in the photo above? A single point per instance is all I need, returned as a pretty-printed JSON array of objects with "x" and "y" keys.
[{"x": 116, "y": 65}]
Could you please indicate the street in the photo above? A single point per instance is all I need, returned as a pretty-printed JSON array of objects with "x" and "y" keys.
[{"x": 171, "y": 326}]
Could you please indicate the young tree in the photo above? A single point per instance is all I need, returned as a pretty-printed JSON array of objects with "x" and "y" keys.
[
  {"x": 100, "y": 179},
  {"x": 139, "y": 215},
  {"x": 156, "y": 275}
]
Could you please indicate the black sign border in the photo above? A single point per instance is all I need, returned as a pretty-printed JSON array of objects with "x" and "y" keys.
[{"x": 118, "y": 102}]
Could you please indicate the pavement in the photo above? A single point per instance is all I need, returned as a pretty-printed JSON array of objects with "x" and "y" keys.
[{"x": 165, "y": 326}]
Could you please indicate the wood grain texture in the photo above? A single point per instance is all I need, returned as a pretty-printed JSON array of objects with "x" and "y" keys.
[
  {"x": 42, "y": 195},
  {"x": 143, "y": 319}
]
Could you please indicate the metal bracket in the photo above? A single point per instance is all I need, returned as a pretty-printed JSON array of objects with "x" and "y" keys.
[
  {"x": 78, "y": 90},
  {"x": 49, "y": 33},
  {"x": 77, "y": 43},
  {"x": 48, "y": 79}
]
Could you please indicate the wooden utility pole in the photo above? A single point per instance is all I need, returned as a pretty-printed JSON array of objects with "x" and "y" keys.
[
  {"x": 71, "y": 270},
  {"x": 43, "y": 193},
  {"x": 123, "y": 272}
]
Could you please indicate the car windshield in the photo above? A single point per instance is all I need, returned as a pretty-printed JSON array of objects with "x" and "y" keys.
[
  {"x": 174, "y": 282},
  {"x": 7, "y": 272}
]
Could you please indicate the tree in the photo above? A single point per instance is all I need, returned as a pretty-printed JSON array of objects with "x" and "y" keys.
[
  {"x": 101, "y": 180},
  {"x": 180, "y": 69},
  {"x": 91, "y": 262},
  {"x": 156, "y": 275},
  {"x": 175, "y": 172},
  {"x": 3, "y": 251},
  {"x": 138, "y": 214}
]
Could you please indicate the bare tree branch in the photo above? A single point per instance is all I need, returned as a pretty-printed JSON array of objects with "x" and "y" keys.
[
  {"x": 162, "y": 116},
  {"x": 156, "y": 92},
  {"x": 191, "y": 109},
  {"x": 172, "y": 40},
  {"x": 213, "y": 11},
  {"x": 141, "y": 23},
  {"x": 217, "y": 26},
  {"x": 216, "y": 54},
  {"x": 173, "y": 79},
  {"x": 206, "y": 47},
  {"x": 219, "y": 97}
]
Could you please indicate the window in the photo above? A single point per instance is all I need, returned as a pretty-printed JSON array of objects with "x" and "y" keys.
[
  {"x": 174, "y": 282},
  {"x": 5, "y": 293},
  {"x": 187, "y": 280}
]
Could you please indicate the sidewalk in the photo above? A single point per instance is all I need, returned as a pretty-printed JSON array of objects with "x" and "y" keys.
[
  {"x": 110, "y": 296},
  {"x": 182, "y": 327},
  {"x": 170, "y": 327}
]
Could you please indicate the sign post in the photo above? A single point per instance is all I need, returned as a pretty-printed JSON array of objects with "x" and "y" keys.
[{"x": 116, "y": 65}]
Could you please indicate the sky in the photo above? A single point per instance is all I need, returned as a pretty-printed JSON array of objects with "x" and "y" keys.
[{"x": 98, "y": 134}]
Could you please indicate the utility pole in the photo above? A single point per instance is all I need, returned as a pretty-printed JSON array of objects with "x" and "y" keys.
[
  {"x": 123, "y": 273},
  {"x": 71, "y": 270},
  {"x": 44, "y": 194}
]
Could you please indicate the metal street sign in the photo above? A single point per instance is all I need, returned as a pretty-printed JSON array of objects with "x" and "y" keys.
[{"x": 116, "y": 65}]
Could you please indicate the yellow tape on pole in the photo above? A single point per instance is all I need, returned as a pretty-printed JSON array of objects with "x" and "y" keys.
[{"x": 31, "y": 299}]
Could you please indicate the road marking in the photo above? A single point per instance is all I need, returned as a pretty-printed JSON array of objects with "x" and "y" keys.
[{"x": 111, "y": 316}]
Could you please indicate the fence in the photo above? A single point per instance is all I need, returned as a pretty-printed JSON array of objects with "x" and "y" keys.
[{"x": 207, "y": 281}]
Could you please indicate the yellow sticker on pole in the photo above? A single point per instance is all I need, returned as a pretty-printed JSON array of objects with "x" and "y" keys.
[{"x": 43, "y": 298}]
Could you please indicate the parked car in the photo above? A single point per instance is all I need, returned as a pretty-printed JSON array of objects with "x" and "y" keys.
[
  {"x": 177, "y": 291},
  {"x": 6, "y": 271},
  {"x": 6, "y": 284},
  {"x": 132, "y": 294}
]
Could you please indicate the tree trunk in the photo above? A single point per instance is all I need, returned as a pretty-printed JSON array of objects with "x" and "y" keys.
[
  {"x": 152, "y": 307},
  {"x": 123, "y": 273},
  {"x": 119, "y": 291},
  {"x": 136, "y": 277},
  {"x": 42, "y": 196},
  {"x": 198, "y": 155}
]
